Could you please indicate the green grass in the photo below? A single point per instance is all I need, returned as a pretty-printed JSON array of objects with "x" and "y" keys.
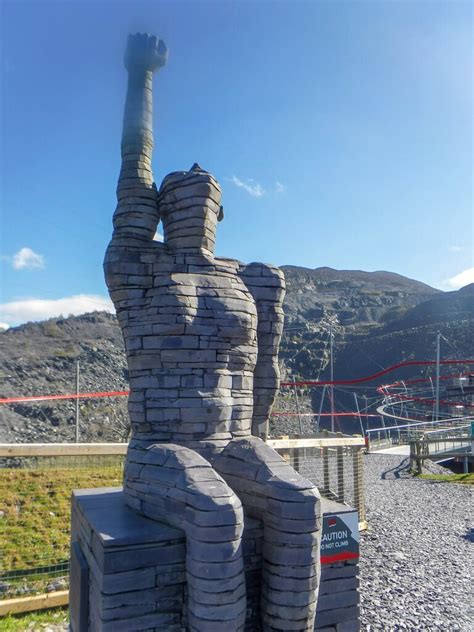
[
  {"x": 33, "y": 621},
  {"x": 34, "y": 527},
  {"x": 465, "y": 479}
]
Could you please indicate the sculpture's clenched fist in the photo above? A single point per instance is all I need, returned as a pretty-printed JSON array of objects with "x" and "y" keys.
[{"x": 145, "y": 52}]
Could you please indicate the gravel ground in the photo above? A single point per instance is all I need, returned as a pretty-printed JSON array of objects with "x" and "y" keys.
[{"x": 416, "y": 557}]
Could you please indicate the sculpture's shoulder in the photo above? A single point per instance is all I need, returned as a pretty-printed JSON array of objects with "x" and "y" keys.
[
  {"x": 127, "y": 259},
  {"x": 265, "y": 281},
  {"x": 232, "y": 266},
  {"x": 127, "y": 250}
]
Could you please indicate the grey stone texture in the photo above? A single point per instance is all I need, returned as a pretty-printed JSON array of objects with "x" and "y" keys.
[
  {"x": 79, "y": 586},
  {"x": 201, "y": 335},
  {"x": 140, "y": 578}
]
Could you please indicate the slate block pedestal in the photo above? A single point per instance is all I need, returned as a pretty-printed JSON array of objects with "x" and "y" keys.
[
  {"x": 128, "y": 572},
  {"x": 136, "y": 567},
  {"x": 338, "y": 600}
]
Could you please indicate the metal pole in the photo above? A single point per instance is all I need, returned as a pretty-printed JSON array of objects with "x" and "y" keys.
[
  {"x": 331, "y": 361},
  {"x": 434, "y": 396},
  {"x": 438, "y": 361},
  {"x": 298, "y": 410},
  {"x": 77, "y": 402},
  {"x": 401, "y": 402},
  {"x": 358, "y": 412},
  {"x": 320, "y": 408},
  {"x": 366, "y": 408}
]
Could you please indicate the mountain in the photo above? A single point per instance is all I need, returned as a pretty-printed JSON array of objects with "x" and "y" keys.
[
  {"x": 357, "y": 297},
  {"x": 382, "y": 318},
  {"x": 443, "y": 307},
  {"x": 387, "y": 320}
]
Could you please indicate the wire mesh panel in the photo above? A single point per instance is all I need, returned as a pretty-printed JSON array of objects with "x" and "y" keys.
[
  {"x": 35, "y": 494},
  {"x": 35, "y": 497},
  {"x": 337, "y": 471}
]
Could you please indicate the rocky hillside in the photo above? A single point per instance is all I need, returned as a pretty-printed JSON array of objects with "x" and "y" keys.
[
  {"x": 41, "y": 359},
  {"x": 378, "y": 319}
]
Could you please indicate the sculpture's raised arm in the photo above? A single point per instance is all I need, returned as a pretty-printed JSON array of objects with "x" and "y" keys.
[{"x": 136, "y": 215}]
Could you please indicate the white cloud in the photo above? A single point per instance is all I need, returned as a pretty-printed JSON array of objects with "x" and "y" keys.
[
  {"x": 455, "y": 248},
  {"x": 460, "y": 280},
  {"x": 17, "y": 312},
  {"x": 279, "y": 187},
  {"x": 253, "y": 188},
  {"x": 27, "y": 259},
  {"x": 4, "y": 326},
  {"x": 158, "y": 237}
]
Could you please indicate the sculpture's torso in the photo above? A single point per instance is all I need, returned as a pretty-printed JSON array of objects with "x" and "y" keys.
[{"x": 189, "y": 325}]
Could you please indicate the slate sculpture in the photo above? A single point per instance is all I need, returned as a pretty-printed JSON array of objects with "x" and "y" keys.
[{"x": 201, "y": 335}]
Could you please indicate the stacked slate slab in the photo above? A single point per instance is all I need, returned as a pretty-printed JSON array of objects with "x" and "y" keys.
[
  {"x": 338, "y": 601},
  {"x": 201, "y": 335},
  {"x": 134, "y": 573}
]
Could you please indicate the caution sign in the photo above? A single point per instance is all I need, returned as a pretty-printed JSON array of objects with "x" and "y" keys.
[{"x": 340, "y": 538}]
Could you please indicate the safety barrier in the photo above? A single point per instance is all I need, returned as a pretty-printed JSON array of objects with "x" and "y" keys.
[{"x": 36, "y": 481}]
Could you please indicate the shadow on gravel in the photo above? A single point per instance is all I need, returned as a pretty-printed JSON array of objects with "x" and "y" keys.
[
  {"x": 401, "y": 469},
  {"x": 469, "y": 536}
]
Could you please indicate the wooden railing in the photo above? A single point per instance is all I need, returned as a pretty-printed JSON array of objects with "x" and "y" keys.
[
  {"x": 96, "y": 449},
  {"x": 294, "y": 450},
  {"x": 430, "y": 448}
]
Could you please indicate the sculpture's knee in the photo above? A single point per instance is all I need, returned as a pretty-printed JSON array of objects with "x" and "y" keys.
[
  {"x": 290, "y": 508},
  {"x": 176, "y": 485},
  {"x": 293, "y": 506}
]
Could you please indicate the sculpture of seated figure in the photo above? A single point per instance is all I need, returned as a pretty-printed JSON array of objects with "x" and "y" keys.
[{"x": 201, "y": 335}]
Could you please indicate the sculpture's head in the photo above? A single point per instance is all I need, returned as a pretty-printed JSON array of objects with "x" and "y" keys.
[{"x": 190, "y": 207}]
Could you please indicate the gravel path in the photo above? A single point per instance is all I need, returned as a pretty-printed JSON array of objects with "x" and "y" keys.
[{"x": 416, "y": 557}]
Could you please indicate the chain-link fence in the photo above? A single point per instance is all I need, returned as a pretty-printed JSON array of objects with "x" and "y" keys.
[{"x": 35, "y": 496}]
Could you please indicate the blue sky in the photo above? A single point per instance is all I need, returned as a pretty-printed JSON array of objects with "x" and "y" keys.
[{"x": 340, "y": 131}]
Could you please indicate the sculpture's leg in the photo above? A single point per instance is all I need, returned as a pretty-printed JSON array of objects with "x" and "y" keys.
[
  {"x": 290, "y": 507},
  {"x": 176, "y": 485}
]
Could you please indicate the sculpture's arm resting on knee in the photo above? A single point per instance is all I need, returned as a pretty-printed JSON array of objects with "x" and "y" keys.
[{"x": 267, "y": 286}]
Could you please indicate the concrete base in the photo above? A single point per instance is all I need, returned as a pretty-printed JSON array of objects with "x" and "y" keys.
[{"x": 128, "y": 572}]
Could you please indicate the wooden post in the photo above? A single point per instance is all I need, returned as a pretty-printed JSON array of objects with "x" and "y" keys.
[
  {"x": 295, "y": 454},
  {"x": 412, "y": 457},
  {"x": 418, "y": 457},
  {"x": 296, "y": 459},
  {"x": 325, "y": 452},
  {"x": 357, "y": 473},
  {"x": 340, "y": 473}
]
